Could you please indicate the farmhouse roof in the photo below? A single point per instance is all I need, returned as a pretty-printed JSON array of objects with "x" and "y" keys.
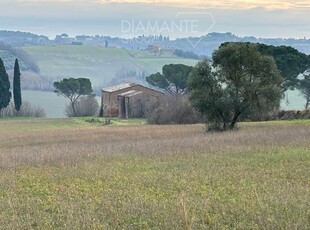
[
  {"x": 115, "y": 88},
  {"x": 126, "y": 85}
]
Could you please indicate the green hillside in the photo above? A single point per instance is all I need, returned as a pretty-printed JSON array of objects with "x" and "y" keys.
[
  {"x": 100, "y": 64},
  {"x": 8, "y": 54}
]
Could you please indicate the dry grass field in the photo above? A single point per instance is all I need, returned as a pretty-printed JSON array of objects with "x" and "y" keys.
[{"x": 62, "y": 174}]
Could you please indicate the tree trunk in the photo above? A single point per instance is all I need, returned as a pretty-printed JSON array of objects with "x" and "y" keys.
[
  {"x": 73, "y": 109},
  {"x": 224, "y": 126},
  {"x": 234, "y": 120},
  {"x": 223, "y": 120}
]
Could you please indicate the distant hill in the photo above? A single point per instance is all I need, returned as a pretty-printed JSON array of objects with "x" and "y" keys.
[
  {"x": 210, "y": 42},
  {"x": 203, "y": 46},
  {"x": 104, "y": 66},
  {"x": 110, "y": 60},
  {"x": 17, "y": 38}
]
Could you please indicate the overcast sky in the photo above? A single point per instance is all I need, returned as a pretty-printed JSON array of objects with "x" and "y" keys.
[{"x": 260, "y": 18}]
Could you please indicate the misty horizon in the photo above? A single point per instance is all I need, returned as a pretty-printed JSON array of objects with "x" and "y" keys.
[{"x": 51, "y": 18}]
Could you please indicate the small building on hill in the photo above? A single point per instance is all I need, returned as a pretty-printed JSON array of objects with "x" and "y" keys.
[{"x": 128, "y": 100}]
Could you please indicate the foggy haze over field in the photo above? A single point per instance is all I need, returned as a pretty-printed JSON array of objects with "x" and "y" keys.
[{"x": 254, "y": 18}]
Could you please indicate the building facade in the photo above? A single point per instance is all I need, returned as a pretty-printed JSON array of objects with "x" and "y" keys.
[{"x": 128, "y": 100}]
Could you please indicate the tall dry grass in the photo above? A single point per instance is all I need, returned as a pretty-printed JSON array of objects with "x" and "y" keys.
[
  {"x": 154, "y": 177},
  {"x": 70, "y": 145}
]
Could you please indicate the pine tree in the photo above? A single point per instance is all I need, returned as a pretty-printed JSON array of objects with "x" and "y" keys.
[
  {"x": 5, "y": 93},
  {"x": 16, "y": 87}
]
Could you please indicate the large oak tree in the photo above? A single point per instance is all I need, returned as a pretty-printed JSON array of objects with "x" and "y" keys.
[{"x": 241, "y": 82}]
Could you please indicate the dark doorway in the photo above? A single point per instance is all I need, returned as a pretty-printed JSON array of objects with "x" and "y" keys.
[{"x": 122, "y": 108}]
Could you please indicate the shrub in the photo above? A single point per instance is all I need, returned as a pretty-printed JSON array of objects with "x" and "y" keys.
[
  {"x": 84, "y": 107},
  {"x": 291, "y": 115},
  {"x": 282, "y": 115},
  {"x": 26, "y": 110},
  {"x": 173, "y": 109}
]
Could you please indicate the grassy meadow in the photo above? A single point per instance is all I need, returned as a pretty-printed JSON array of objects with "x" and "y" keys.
[{"x": 70, "y": 174}]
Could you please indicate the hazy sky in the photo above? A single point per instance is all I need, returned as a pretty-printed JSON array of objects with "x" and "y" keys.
[{"x": 260, "y": 18}]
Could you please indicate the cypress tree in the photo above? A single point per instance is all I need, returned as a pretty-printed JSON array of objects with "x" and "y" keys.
[
  {"x": 5, "y": 93},
  {"x": 16, "y": 87}
]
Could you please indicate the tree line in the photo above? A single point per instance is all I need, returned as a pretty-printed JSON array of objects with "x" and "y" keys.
[{"x": 241, "y": 81}]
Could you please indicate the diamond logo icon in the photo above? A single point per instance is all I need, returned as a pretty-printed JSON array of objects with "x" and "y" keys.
[{"x": 196, "y": 25}]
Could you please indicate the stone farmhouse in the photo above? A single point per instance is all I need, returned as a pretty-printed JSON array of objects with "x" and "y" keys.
[{"x": 128, "y": 100}]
